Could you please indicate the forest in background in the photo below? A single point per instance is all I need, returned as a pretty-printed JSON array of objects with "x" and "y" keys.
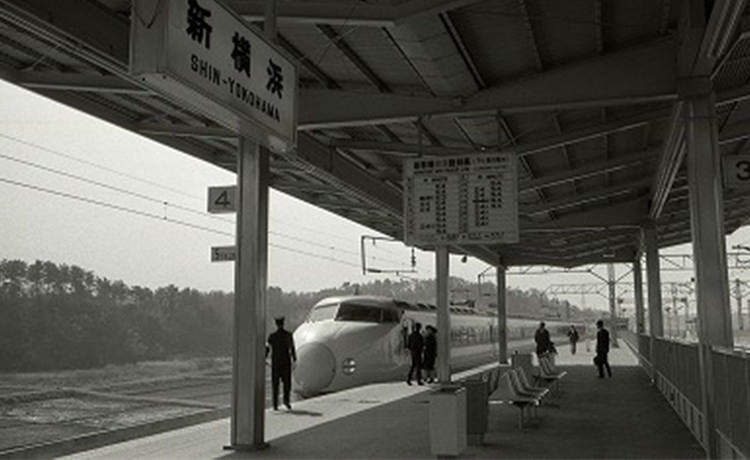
[{"x": 58, "y": 316}]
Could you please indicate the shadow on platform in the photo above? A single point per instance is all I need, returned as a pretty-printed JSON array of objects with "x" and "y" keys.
[{"x": 621, "y": 417}]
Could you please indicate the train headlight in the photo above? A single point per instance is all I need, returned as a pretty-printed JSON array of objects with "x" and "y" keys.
[{"x": 349, "y": 366}]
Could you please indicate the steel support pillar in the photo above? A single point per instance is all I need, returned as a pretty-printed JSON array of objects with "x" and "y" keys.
[
  {"x": 653, "y": 280},
  {"x": 502, "y": 313},
  {"x": 611, "y": 284},
  {"x": 709, "y": 251},
  {"x": 640, "y": 323},
  {"x": 250, "y": 271},
  {"x": 442, "y": 268}
]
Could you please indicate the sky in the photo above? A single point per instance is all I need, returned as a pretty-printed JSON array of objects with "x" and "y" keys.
[{"x": 81, "y": 191}]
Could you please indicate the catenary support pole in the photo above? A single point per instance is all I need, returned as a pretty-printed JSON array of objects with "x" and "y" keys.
[
  {"x": 640, "y": 322},
  {"x": 248, "y": 366},
  {"x": 611, "y": 284},
  {"x": 738, "y": 296},
  {"x": 443, "y": 315},
  {"x": 502, "y": 312}
]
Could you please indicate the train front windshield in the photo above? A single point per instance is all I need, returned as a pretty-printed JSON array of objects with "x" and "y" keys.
[
  {"x": 323, "y": 312},
  {"x": 366, "y": 313}
]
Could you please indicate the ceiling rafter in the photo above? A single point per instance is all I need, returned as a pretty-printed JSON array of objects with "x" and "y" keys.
[
  {"x": 357, "y": 13},
  {"x": 591, "y": 169},
  {"x": 599, "y": 25},
  {"x": 530, "y": 35},
  {"x": 582, "y": 198}
]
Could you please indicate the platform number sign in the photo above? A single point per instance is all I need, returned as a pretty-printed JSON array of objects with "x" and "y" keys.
[
  {"x": 222, "y": 199},
  {"x": 737, "y": 171}
]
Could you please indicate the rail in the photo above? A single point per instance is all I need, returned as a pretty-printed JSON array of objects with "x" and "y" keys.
[{"x": 675, "y": 368}]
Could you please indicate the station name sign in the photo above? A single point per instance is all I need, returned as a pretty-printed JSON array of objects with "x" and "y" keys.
[
  {"x": 470, "y": 199},
  {"x": 202, "y": 54}
]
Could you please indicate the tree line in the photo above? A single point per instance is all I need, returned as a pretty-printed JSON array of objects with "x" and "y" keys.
[{"x": 57, "y": 316}]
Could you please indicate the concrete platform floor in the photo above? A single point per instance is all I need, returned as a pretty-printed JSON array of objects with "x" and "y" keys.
[{"x": 622, "y": 417}]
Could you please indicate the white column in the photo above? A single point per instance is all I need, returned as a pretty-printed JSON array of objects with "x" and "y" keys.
[
  {"x": 709, "y": 250},
  {"x": 502, "y": 313},
  {"x": 443, "y": 315},
  {"x": 640, "y": 323},
  {"x": 248, "y": 369}
]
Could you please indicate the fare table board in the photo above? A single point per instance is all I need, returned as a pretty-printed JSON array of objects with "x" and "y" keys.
[{"x": 470, "y": 199}]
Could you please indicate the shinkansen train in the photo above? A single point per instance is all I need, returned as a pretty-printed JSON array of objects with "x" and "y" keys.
[{"x": 356, "y": 340}]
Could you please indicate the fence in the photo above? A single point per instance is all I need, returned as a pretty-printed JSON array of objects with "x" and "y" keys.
[{"x": 678, "y": 377}]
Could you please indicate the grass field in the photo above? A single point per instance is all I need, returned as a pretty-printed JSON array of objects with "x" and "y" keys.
[{"x": 118, "y": 374}]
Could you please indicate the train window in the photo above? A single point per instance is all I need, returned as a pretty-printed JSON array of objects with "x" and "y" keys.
[
  {"x": 355, "y": 312},
  {"x": 391, "y": 316},
  {"x": 323, "y": 312}
]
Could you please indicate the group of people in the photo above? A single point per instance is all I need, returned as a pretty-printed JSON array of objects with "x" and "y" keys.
[
  {"x": 545, "y": 346},
  {"x": 423, "y": 351}
]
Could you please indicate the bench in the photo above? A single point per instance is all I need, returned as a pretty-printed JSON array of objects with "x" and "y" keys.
[
  {"x": 505, "y": 393},
  {"x": 518, "y": 377},
  {"x": 547, "y": 373}
]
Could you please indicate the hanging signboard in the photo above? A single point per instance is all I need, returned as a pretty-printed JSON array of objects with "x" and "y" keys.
[
  {"x": 737, "y": 171},
  {"x": 201, "y": 54},
  {"x": 471, "y": 199}
]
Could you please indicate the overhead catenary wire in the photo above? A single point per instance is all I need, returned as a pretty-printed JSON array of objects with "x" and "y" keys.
[
  {"x": 168, "y": 204},
  {"x": 136, "y": 178},
  {"x": 161, "y": 218}
]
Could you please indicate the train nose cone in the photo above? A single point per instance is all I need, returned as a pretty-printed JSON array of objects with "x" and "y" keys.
[{"x": 315, "y": 368}]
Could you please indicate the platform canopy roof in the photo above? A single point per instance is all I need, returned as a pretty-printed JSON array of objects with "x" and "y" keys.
[{"x": 583, "y": 92}]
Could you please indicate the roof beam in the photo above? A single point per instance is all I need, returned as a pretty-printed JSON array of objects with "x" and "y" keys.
[
  {"x": 599, "y": 26},
  {"x": 353, "y": 14},
  {"x": 107, "y": 44},
  {"x": 59, "y": 81},
  {"x": 702, "y": 43},
  {"x": 669, "y": 162},
  {"x": 196, "y": 132},
  {"x": 626, "y": 214},
  {"x": 590, "y": 169},
  {"x": 634, "y": 75},
  {"x": 582, "y": 198}
]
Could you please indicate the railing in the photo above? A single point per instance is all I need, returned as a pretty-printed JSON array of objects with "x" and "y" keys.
[
  {"x": 732, "y": 391},
  {"x": 678, "y": 377}
]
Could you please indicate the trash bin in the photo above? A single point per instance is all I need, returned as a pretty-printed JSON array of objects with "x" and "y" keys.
[
  {"x": 477, "y": 410},
  {"x": 522, "y": 360},
  {"x": 448, "y": 421}
]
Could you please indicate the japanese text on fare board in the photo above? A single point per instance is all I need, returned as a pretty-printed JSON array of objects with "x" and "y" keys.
[{"x": 463, "y": 199}]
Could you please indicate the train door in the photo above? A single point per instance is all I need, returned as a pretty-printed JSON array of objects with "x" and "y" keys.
[{"x": 403, "y": 352}]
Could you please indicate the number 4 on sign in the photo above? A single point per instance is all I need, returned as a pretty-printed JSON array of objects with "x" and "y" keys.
[{"x": 222, "y": 199}]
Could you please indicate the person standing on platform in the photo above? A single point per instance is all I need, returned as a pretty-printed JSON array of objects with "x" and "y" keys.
[
  {"x": 573, "y": 338},
  {"x": 415, "y": 344},
  {"x": 602, "y": 348},
  {"x": 543, "y": 342},
  {"x": 429, "y": 355},
  {"x": 281, "y": 346}
]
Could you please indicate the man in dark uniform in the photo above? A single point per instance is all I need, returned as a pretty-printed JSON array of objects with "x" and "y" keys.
[
  {"x": 602, "y": 348},
  {"x": 415, "y": 344},
  {"x": 543, "y": 342},
  {"x": 281, "y": 346}
]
